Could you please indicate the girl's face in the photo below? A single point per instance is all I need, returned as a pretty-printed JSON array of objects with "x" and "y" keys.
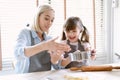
[
  {"x": 46, "y": 19},
  {"x": 73, "y": 35}
]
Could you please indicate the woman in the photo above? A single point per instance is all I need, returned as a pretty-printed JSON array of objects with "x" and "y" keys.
[{"x": 32, "y": 45}]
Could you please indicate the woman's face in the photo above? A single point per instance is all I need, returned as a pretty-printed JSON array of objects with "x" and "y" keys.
[
  {"x": 73, "y": 35},
  {"x": 46, "y": 19}
]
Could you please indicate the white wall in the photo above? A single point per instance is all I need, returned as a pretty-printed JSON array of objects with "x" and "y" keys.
[
  {"x": 116, "y": 30},
  {"x": 112, "y": 24}
]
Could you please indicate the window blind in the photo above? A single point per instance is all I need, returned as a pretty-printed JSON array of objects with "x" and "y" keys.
[
  {"x": 100, "y": 28},
  {"x": 85, "y": 12},
  {"x": 100, "y": 32},
  {"x": 14, "y": 15},
  {"x": 58, "y": 6}
]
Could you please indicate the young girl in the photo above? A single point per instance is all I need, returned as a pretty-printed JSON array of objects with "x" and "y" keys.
[{"x": 76, "y": 35}]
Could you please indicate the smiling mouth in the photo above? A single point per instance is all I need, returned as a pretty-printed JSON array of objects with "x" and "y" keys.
[{"x": 71, "y": 37}]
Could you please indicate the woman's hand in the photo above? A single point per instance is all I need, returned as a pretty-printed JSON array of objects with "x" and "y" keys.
[
  {"x": 51, "y": 45},
  {"x": 56, "y": 56},
  {"x": 56, "y": 50}
]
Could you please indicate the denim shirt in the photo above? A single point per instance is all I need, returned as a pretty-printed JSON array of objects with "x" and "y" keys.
[{"x": 22, "y": 62}]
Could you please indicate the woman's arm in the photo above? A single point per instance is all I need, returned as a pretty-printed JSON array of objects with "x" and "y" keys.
[
  {"x": 49, "y": 45},
  {"x": 23, "y": 45}
]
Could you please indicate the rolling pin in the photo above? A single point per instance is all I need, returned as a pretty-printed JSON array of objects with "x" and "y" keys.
[{"x": 94, "y": 68}]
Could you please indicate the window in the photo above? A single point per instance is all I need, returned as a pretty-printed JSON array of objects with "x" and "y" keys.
[
  {"x": 91, "y": 13},
  {"x": 100, "y": 31},
  {"x": 82, "y": 11},
  {"x": 58, "y": 6},
  {"x": 14, "y": 15}
]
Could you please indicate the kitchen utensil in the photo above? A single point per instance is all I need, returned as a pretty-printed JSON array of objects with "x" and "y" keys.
[
  {"x": 94, "y": 68},
  {"x": 79, "y": 55}
]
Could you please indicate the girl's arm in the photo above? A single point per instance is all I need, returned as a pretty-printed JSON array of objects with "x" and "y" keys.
[{"x": 87, "y": 47}]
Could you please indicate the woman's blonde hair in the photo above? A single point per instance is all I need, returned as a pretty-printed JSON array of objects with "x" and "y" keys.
[{"x": 41, "y": 9}]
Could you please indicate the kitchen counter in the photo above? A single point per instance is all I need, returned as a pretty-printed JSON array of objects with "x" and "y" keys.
[{"x": 64, "y": 74}]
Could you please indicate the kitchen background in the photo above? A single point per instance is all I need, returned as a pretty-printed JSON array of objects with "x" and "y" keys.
[{"x": 101, "y": 17}]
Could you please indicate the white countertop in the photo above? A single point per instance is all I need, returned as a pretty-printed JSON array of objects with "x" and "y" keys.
[{"x": 60, "y": 75}]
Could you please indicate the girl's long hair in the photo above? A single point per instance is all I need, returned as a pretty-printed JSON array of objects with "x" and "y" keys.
[{"x": 71, "y": 24}]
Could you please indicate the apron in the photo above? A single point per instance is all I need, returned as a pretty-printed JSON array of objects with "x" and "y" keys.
[
  {"x": 40, "y": 61},
  {"x": 73, "y": 49}
]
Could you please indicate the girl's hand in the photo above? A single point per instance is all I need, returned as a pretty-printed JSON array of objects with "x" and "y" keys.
[{"x": 93, "y": 54}]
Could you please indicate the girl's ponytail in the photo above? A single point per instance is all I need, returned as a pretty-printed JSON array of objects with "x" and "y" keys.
[
  {"x": 85, "y": 35},
  {"x": 63, "y": 36}
]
